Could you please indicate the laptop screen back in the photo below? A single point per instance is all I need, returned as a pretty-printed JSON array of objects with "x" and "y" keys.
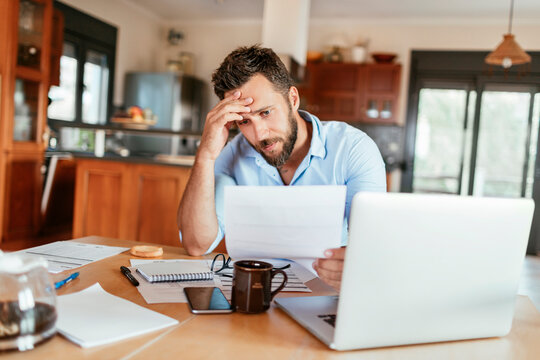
[{"x": 423, "y": 268}]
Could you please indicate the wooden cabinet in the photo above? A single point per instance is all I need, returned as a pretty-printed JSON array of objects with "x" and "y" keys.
[
  {"x": 352, "y": 92},
  {"x": 128, "y": 201},
  {"x": 332, "y": 91},
  {"x": 381, "y": 93},
  {"x": 23, "y": 195},
  {"x": 25, "y": 43}
]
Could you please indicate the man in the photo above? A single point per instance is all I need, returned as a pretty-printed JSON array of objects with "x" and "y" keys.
[{"x": 278, "y": 145}]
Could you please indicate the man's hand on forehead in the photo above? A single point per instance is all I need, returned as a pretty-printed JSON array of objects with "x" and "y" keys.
[
  {"x": 234, "y": 103},
  {"x": 238, "y": 103}
]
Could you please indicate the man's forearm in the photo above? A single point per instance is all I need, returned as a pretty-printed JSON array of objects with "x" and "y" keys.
[{"x": 197, "y": 213}]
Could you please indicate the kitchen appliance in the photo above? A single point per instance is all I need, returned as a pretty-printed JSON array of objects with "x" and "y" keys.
[
  {"x": 176, "y": 99},
  {"x": 27, "y": 302}
]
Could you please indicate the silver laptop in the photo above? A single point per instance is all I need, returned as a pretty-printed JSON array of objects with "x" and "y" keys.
[{"x": 422, "y": 268}]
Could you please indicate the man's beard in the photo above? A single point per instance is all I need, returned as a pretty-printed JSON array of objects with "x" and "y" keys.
[{"x": 288, "y": 144}]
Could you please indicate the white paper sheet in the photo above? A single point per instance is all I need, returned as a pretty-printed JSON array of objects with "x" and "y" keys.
[
  {"x": 93, "y": 317},
  {"x": 67, "y": 255},
  {"x": 290, "y": 222}
]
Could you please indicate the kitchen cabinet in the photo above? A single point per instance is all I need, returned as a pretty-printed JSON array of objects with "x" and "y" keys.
[
  {"x": 129, "y": 201},
  {"x": 25, "y": 43},
  {"x": 366, "y": 93},
  {"x": 333, "y": 91},
  {"x": 381, "y": 93}
]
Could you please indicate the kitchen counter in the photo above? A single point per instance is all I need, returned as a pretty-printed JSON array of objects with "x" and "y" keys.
[
  {"x": 160, "y": 159},
  {"x": 130, "y": 198}
]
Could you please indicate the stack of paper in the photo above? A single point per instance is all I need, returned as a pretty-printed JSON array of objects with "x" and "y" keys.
[
  {"x": 94, "y": 317},
  {"x": 67, "y": 255}
]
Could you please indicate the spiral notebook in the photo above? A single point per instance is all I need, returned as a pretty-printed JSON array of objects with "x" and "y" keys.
[{"x": 167, "y": 271}]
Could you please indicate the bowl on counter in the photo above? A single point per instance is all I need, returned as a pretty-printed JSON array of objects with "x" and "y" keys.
[
  {"x": 130, "y": 123},
  {"x": 383, "y": 58}
]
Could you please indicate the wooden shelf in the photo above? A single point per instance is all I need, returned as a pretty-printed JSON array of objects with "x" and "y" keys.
[{"x": 28, "y": 73}]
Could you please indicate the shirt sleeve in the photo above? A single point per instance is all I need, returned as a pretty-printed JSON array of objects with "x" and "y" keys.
[
  {"x": 365, "y": 170},
  {"x": 221, "y": 181},
  {"x": 223, "y": 177}
]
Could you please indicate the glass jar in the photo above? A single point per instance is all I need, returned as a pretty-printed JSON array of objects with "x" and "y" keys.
[{"x": 27, "y": 302}]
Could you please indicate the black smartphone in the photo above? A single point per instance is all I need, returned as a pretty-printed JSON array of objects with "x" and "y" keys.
[{"x": 207, "y": 300}]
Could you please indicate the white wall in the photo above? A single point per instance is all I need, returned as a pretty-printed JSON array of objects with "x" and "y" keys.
[
  {"x": 139, "y": 33},
  {"x": 210, "y": 42}
]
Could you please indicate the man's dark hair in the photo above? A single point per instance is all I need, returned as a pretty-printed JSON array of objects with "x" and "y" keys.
[{"x": 244, "y": 62}]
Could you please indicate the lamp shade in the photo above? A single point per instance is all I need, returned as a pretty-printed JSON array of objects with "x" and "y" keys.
[{"x": 508, "y": 53}]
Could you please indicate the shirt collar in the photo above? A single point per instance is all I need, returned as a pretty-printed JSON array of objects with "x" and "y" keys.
[{"x": 316, "y": 148}]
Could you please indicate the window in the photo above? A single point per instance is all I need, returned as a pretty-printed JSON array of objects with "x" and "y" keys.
[
  {"x": 62, "y": 97},
  {"x": 86, "y": 70},
  {"x": 96, "y": 86}
]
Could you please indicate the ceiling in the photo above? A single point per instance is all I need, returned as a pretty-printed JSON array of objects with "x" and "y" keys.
[{"x": 182, "y": 10}]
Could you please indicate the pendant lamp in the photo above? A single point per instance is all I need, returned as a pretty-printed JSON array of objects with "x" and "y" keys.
[{"x": 508, "y": 52}]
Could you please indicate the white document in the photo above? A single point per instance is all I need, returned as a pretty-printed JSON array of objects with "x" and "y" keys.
[
  {"x": 288, "y": 222},
  {"x": 93, "y": 317},
  {"x": 67, "y": 255}
]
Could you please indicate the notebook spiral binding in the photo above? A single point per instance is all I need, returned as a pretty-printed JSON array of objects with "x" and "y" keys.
[
  {"x": 183, "y": 277},
  {"x": 200, "y": 276}
]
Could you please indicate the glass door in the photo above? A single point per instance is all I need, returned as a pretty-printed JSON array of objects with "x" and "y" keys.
[
  {"x": 30, "y": 80},
  {"x": 507, "y": 140},
  {"x": 441, "y": 138},
  {"x": 483, "y": 149}
]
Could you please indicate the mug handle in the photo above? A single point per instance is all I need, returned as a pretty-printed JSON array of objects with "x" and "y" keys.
[{"x": 274, "y": 273}]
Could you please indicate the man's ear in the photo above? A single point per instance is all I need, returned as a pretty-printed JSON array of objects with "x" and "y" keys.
[{"x": 294, "y": 98}]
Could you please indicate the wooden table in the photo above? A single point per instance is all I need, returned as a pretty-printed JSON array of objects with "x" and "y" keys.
[{"x": 271, "y": 335}]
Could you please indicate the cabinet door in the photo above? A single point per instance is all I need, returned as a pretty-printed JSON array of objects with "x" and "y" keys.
[
  {"x": 23, "y": 196},
  {"x": 381, "y": 93},
  {"x": 32, "y": 59},
  {"x": 101, "y": 199},
  {"x": 24, "y": 74},
  {"x": 335, "y": 91},
  {"x": 128, "y": 201},
  {"x": 159, "y": 190}
]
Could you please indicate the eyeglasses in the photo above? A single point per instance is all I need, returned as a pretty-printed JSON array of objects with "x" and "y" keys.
[{"x": 222, "y": 262}]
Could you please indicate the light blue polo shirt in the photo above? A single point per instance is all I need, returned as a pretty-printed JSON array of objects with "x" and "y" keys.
[{"x": 339, "y": 155}]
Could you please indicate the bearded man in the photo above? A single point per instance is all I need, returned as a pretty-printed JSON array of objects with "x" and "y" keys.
[{"x": 277, "y": 145}]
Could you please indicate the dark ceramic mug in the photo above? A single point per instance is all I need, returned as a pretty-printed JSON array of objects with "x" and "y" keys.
[{"x": 252, "y": 285}]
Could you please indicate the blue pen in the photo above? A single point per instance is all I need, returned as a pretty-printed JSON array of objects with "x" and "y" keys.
[{"x": 59, "y": 284}]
